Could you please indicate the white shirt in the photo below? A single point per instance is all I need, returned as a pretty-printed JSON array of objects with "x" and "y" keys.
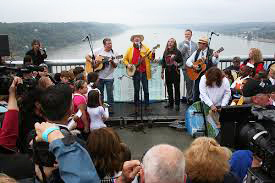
[
  {"x": 107, "y": 72},
  {"x": 203, "y": 53},
  {"x": 217, "y": 96},
  {"x": 96, "y": 116},
  {"x": 272, "y": 81}
]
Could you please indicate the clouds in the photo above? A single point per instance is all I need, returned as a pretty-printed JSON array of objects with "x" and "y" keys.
[{"x": 137, "y": 12}]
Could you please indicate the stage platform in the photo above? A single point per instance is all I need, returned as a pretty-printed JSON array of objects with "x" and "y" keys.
[
  {"x": 124, "y": 114},
  {"x": 159, "y": 126}
]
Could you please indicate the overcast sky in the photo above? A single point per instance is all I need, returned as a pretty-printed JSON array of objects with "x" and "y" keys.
[{"x": 136, "y": 12}]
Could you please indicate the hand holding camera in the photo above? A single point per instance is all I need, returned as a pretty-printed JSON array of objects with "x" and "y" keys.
[{"x": 47, "y": 132}]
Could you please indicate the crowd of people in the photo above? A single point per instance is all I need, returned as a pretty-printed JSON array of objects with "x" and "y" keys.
[{"x": 55, "y": 130}]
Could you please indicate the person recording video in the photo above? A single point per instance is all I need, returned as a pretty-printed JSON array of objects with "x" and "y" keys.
[{"x": 37, "y": 53}]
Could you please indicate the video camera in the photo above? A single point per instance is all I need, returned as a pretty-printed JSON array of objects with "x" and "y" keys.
[
  {"x": 249, "y": 127},
  {"x": 6, "y": 78}
]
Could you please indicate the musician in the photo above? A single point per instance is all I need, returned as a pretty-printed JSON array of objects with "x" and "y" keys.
[
  {"x": 37, "y": 53},
  {"x": 212, "y": 59},
  {"x": 172, "y": 60},
  {"x": 139, "y": 52},
  {"x": 187, "y": 47},
  {"x": 106, "y": 77}
]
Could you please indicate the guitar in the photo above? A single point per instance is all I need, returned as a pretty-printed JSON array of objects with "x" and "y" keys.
[
  {"x": 193, "y": 73},
  {"x": 131, "y": 69},
  {"x": 99, "y": 63}
]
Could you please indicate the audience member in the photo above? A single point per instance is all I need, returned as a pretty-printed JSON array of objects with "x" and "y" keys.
[
  {"x": 44, "y": 82},
  {"x": 80, "y": 103},
  {"x": 236, "y": 64},
  {"x": 73, "y": 161},
  {"x": 207, "y": 161},
  {"x": 271, "y": 74},
  {"x": 162, "y": 163},
  {"x": 97, "y": 113},
  {"x": 105, "y": 149},
  {"x": 256, "y": 59},
  {"x": 229, "y": 76}
]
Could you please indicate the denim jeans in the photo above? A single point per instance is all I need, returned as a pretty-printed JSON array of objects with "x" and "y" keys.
[
  {"x": 138, "y": 76},
  {"x": 110, "y": 89}
]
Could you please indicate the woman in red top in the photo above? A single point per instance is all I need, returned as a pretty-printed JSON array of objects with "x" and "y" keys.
[{"x": 255, "y": 58}]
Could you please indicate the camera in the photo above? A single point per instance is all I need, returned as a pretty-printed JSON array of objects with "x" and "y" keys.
[
  {"x": 250, "y": 127},
  {"x": 6, "y": 78}
]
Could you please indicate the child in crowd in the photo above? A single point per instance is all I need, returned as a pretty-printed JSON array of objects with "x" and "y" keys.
[
  {"x": 92, "y": 80},
  {"x": 97, "y": 113}
]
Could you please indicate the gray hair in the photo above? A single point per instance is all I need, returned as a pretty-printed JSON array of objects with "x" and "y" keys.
[{"x": 164, "y": 163}]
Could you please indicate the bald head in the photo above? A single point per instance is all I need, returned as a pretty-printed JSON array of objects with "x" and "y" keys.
[{"x": 164, "y": 163}]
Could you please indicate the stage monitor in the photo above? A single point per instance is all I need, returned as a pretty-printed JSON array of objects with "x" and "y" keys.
[{"x": 4, "y": 45}]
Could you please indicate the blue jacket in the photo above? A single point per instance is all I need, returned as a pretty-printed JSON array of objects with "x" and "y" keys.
[{"x": 75, "y": 164}]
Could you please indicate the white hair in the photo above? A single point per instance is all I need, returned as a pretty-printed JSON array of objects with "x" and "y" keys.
[{"x": 164, "y": 163}]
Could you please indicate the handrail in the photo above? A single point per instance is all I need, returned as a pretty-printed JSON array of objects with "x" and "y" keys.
[{"x": 123, "y": 90}]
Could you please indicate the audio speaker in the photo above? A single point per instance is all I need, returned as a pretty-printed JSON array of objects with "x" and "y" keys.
[{"x": 4, "y": 45}]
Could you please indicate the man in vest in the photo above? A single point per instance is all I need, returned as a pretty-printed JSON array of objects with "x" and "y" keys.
[{"x": 212, "y": 59}]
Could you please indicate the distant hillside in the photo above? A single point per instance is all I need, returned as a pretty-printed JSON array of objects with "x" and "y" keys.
[
  {"x": 54, "y": 35},
  {"x": 262, "y": 31}
]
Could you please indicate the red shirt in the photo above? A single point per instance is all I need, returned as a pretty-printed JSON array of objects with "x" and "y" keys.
[
  {"x": 137, "y": 58},
  {"x": 260, "y": 67},
  {"x": 9, "y": 131}
]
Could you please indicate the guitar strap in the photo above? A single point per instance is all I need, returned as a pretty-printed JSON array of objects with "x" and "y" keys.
[{"x": 197, "y": 55}]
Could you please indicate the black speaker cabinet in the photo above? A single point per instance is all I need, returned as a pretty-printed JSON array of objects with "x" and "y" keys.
[
  {"x": 232, "y": 118},
  {"x": 4, "y": 45}
]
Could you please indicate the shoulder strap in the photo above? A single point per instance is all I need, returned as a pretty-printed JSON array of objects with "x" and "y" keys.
[{"x": 197, "y": 55}]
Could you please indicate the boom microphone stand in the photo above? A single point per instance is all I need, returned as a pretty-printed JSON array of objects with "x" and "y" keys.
[{"x": 92, "y": 50}]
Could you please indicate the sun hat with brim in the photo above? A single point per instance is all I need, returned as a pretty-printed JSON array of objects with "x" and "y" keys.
[
  {"x": 137, "y": 35},
  {"x": 203, "y": 39}
]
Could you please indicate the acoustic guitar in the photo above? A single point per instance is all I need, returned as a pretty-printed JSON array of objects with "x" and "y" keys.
[
  {"x": 193, "y": 73},
  {"x": 99, "y": 63},
  {"x": 131, "y": 69}
]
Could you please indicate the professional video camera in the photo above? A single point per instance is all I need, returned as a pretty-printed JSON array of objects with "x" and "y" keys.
[
  {"x": 249, "y": 127},
  {"x": 6, "y": 78}
]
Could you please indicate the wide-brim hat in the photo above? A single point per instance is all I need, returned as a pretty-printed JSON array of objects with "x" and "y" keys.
[
  {"x": 203, "y": 39},
  {"x": 137, "y": 35}
]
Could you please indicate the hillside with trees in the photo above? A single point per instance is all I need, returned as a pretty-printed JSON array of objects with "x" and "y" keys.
[{"x": 54, "y": 35}]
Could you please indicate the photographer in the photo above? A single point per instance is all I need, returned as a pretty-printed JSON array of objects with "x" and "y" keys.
[
  {"x": 12, "y": 163},
  {"x": 37, "y": 53},
  {"x": 56, "y": 104},
  {"x": 74, "y": 162},
  {"x": 9, "y": 130}
]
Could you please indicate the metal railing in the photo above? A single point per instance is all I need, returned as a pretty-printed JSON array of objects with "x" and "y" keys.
[{"x": 123, "y": 87}]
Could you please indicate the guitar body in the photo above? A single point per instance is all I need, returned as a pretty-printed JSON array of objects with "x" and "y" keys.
[
  {"x": 192, "y": 73},
  {"x": 99, "y": 63},
  {"x": 88, "y": 66}
]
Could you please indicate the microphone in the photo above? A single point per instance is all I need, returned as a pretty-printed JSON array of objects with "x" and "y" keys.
[
  {"x": 215, "y": 33},
  {"x": 84, "y": 39}
]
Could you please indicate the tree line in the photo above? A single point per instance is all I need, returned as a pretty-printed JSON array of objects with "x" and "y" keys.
[{"x": 54, "y": 35}]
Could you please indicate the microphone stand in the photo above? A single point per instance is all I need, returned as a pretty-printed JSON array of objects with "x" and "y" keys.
[
  {"x": 93, "y": 55},
  {"x": 140, "y": 126}
]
